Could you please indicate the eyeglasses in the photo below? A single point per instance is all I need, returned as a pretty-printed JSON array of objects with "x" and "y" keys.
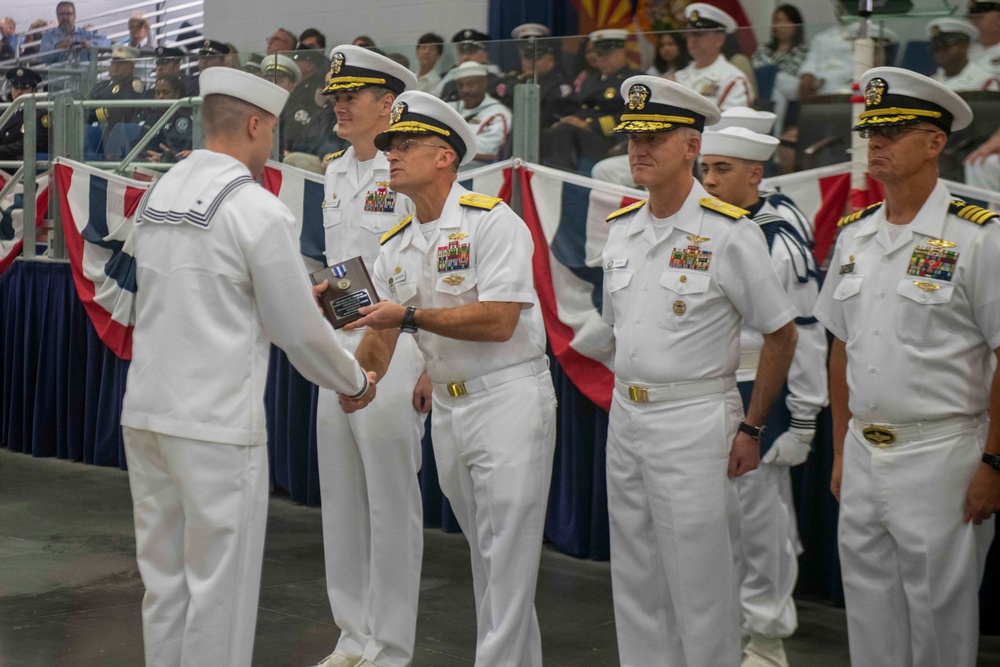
[
  {"x": 889, "y": 131},
  {"x": 406, "y": 145}
]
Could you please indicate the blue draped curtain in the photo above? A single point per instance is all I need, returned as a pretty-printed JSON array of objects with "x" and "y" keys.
[{"x": 62, "y": 390}]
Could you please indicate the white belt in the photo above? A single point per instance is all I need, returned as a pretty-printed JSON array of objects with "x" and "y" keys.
[
  {"x": 494, "y": 379},
  {"x": 883, "y": 435},
  {"x": 749, "y": 359},
  {"x": 641, "y": 393}
]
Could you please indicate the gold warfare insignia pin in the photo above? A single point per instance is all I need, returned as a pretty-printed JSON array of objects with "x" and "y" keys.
[
  {"x": 398, "y": 109},
  {"x": 343, "y": 284},
  {"x": 637, "y": 96},
  {"x": 940, "y": 243},
  {"x": 457, "y": 236},
  {"x": 874, "y": 91},
  {"x": 338, "y": 63},
  {"x": 680, "y": 307},
  {"x": 382, "y": 184},
  {"x": 698, "y": 239},
  {"x": 609, "y": 94},
  {"x": 453, "y": 280},
  {"x": 927, "y": 287}
]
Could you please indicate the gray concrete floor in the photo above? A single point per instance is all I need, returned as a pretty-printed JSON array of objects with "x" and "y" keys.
[{"x": 70, "y": 591}]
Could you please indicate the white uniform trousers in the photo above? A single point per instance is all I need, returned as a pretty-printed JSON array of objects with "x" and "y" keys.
[
  {"x": 911, "y": 568},
  {"x": 372, "y": 512},
  {"x": 767, "y": 565},
  {"x": 494, "y": 453},
  {"x": 672, "y": 510},
  {"x": 200, "y": 513}
]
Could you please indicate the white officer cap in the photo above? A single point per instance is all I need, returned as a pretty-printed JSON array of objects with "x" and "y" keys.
[
  {"x": 468, "y": 70},
  {"x": 609, "y": 39},
  {"x": 280, "y": 63},
  {"x": 751, "y": 119},
  {"x": 703, "y": 16},
  {"x": 526, "y": 30},
  {"x": 243, "y": 86},
  {"x": 876, "y": 31},
  {"x": 739, "y": 142},
  {"x": 417, "y": 112},
  {"x": 355, "y": 67},
  {"x": 122, "y": 52},
  {"x": 895, "y": 96},
  {"x": 655, "y": 104},
  {"x": 944, "y": 29}
]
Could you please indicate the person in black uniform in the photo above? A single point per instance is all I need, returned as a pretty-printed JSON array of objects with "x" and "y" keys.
[
  {"x": 22, "y": 81},
  {"x": 470, "y": 45},
  {"x": 121, "y": 85},
  {"x": 583, "y": 134},
  {"x": 174, "y": 140},
  {"x": 539, "y": 53},
  {"x": 168, "y": 63},
  {"x": 305, "y": 124}
]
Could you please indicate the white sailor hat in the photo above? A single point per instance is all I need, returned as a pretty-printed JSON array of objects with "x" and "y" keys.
[
  {"x": 751, "y": 119},
  {"x": 655, "y": 104},
  {"x": 739, "y": 142},
  {"x": 122, "y": 52},
  {"x": 469, "y": 69},
  {"x": 947, "y": 30},
  {"x": 243, "y": 86},
  {"x": 417, "y": 112},
  {"x": 703, "y": 16},
  {"x": 279, "y": 63},
  {"x": 895, "y": 96},
  {"x": 609, "y": 39},
  {"x": 526, "y": 30},
  {"x": 355, "y": 67}
]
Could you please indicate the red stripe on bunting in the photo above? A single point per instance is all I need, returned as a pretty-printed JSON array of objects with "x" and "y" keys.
[{"x": 272, "y": 180}]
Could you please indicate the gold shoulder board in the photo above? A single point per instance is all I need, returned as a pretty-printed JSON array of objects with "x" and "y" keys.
[
  {"x": 397, "y": 229},
  {"x": 333, "y": 156},
  {"x": 628, "y": 209},
  {"x": 719, "y": 206},
  {"x": 854, "y": 217},
  {"x": 479, "y": 201},
  {"x": 975, "y": 214}
]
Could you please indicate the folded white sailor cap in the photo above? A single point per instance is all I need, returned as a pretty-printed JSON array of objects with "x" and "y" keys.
[
  {"x": 469, "y": 69},
  {"x": 355, "y": 67},
  {"x": 609, "y": 38},
  {"x": 526, "y": 30},
  {"x": 703, "y": 16},
  {"x": 417, "y": 112},
  {"x": 895, "y": 96},
  {"x": 751, "y": 119},
  {"x": 945, "y": 29},
  {"x": 739, "y": 142},
  {"x": 654, "y": 104},
  {"x": 243, "y": 86},
  {"x": 122, "y": 52},
  {"x": 280, "y": 63}
]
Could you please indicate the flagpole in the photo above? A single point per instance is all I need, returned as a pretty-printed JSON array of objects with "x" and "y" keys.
[{"x": 864, "y": 59}]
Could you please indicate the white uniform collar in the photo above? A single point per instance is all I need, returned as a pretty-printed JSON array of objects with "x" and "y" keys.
[
  {"x": 193, "y": 189},
  {"x": 687, "y": 219},
  {"x": 448, "y": 219}
]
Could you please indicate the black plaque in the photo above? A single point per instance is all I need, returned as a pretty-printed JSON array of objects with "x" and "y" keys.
[{"x": 350, "y": 288}]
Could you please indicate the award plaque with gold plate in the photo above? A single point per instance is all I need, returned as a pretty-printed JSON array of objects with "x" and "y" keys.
[{"x": 350, "y": 288}]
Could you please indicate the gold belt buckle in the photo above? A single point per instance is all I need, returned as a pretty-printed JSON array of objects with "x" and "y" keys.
[
  {"x": 457, "y": 389},
  {"x": 880, "y": 436},
  {"x": 638, "y": 394}
]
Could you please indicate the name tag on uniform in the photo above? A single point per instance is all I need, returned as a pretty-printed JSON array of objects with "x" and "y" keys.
[
  {"x": 847, "y": 268},
  {"x": 331, "y": 203},
  {"x": 397, "y": 278},
  {"x": 616, "y": 263}
]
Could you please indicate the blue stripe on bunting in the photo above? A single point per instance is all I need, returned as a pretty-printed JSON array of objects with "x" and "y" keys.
[
  {"x": 121, "y": 266},
  {"x": 312, "y": 240}
]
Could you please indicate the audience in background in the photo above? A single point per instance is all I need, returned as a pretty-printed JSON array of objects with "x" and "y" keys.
[
  {"x": 586, "y": 63},
  {"x": 364, "y": 41},
  {"x": 282, "y": 40},
  {"x": 489, "y": 118},
  {"x": 430, "y": 48},
  {"x": 671, "y": 55},
  {"x": 66, "y": 36},
  {"x": 311, "y": 38},
  {"x": 950, "y": 42},
  {"x": 138, "y": 32},
  {"x": 174, "y": 140},
  {"x": 8, "y": 38},
  {"x": 33, "y": 37},
  {"x": 986, "y": 17}
]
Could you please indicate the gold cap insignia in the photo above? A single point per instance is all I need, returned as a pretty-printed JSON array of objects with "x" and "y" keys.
[
  {"x": 338, "y": 63},
  {"x": 874, "y": 91},
  {"x": 694, "y": 17},
  {"x": 453, "y": 280},
  {"x": 680, "y": 307},
  {"x": 637, "y": 96},
  {"x": 609, "y": 94},
  {"x": 398, "y": 109},
  {"x": 935, "y": 31},
  {"x": 457, "y": 236},
  {"x": 697, "y": 240},
  {"x": 940, "y": 243}
]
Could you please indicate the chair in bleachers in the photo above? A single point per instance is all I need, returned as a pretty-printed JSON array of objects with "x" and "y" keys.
[
  {"x": 917, "y": 57},
  {"x": 766, "y": 76},
  {"x": 92, "y": 143},
  {"x": 985, "y": 121},
  {"x": 824, "y": 132}
]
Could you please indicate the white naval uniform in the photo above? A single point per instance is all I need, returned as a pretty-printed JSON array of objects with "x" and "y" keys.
[
  {"x": 769, "y": 545},
  {"x": 494, "y": 445},
  {"x": 987, "y": 57},
  {"x": 919, "y": 359},
  {"x": 490, "y": 122},
  {"x": 972, "y": 77},
  {"x": 722, "y": 82},
  {"x": 831, "y": 60},
  {"x": 669, "y": 498},
  {"x": 782, "y": 205},
  {"x": 368, "y": 461},
  {"x": 218, "y": 281}
]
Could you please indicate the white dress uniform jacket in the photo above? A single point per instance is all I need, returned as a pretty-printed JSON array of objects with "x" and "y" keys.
[
  {"x": 722, "y": 82},
  {"x": 494, "y": 469},
  {"x": 972, "y": 77},
  {"x": 920, "y": 317},
  {"x": 831, "y": 60},
  {"x": 368, "y": 461},
  {"x": 490, "y": 122},
  {"x": 676, "y": 292},
  {"x": 987, "y": 57}
]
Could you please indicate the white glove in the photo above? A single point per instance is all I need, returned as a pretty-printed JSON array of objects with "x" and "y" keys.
[{"x": 791, "y": 447}]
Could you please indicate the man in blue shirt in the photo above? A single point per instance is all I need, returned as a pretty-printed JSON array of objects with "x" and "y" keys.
[{"x": 67, "y": 35}]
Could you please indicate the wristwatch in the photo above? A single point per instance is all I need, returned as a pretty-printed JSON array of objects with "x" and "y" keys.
[
  {"x": 992, "y": 460},
  {"x": 755, "y": 432},
  {"x": 409, "y": 324}
]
